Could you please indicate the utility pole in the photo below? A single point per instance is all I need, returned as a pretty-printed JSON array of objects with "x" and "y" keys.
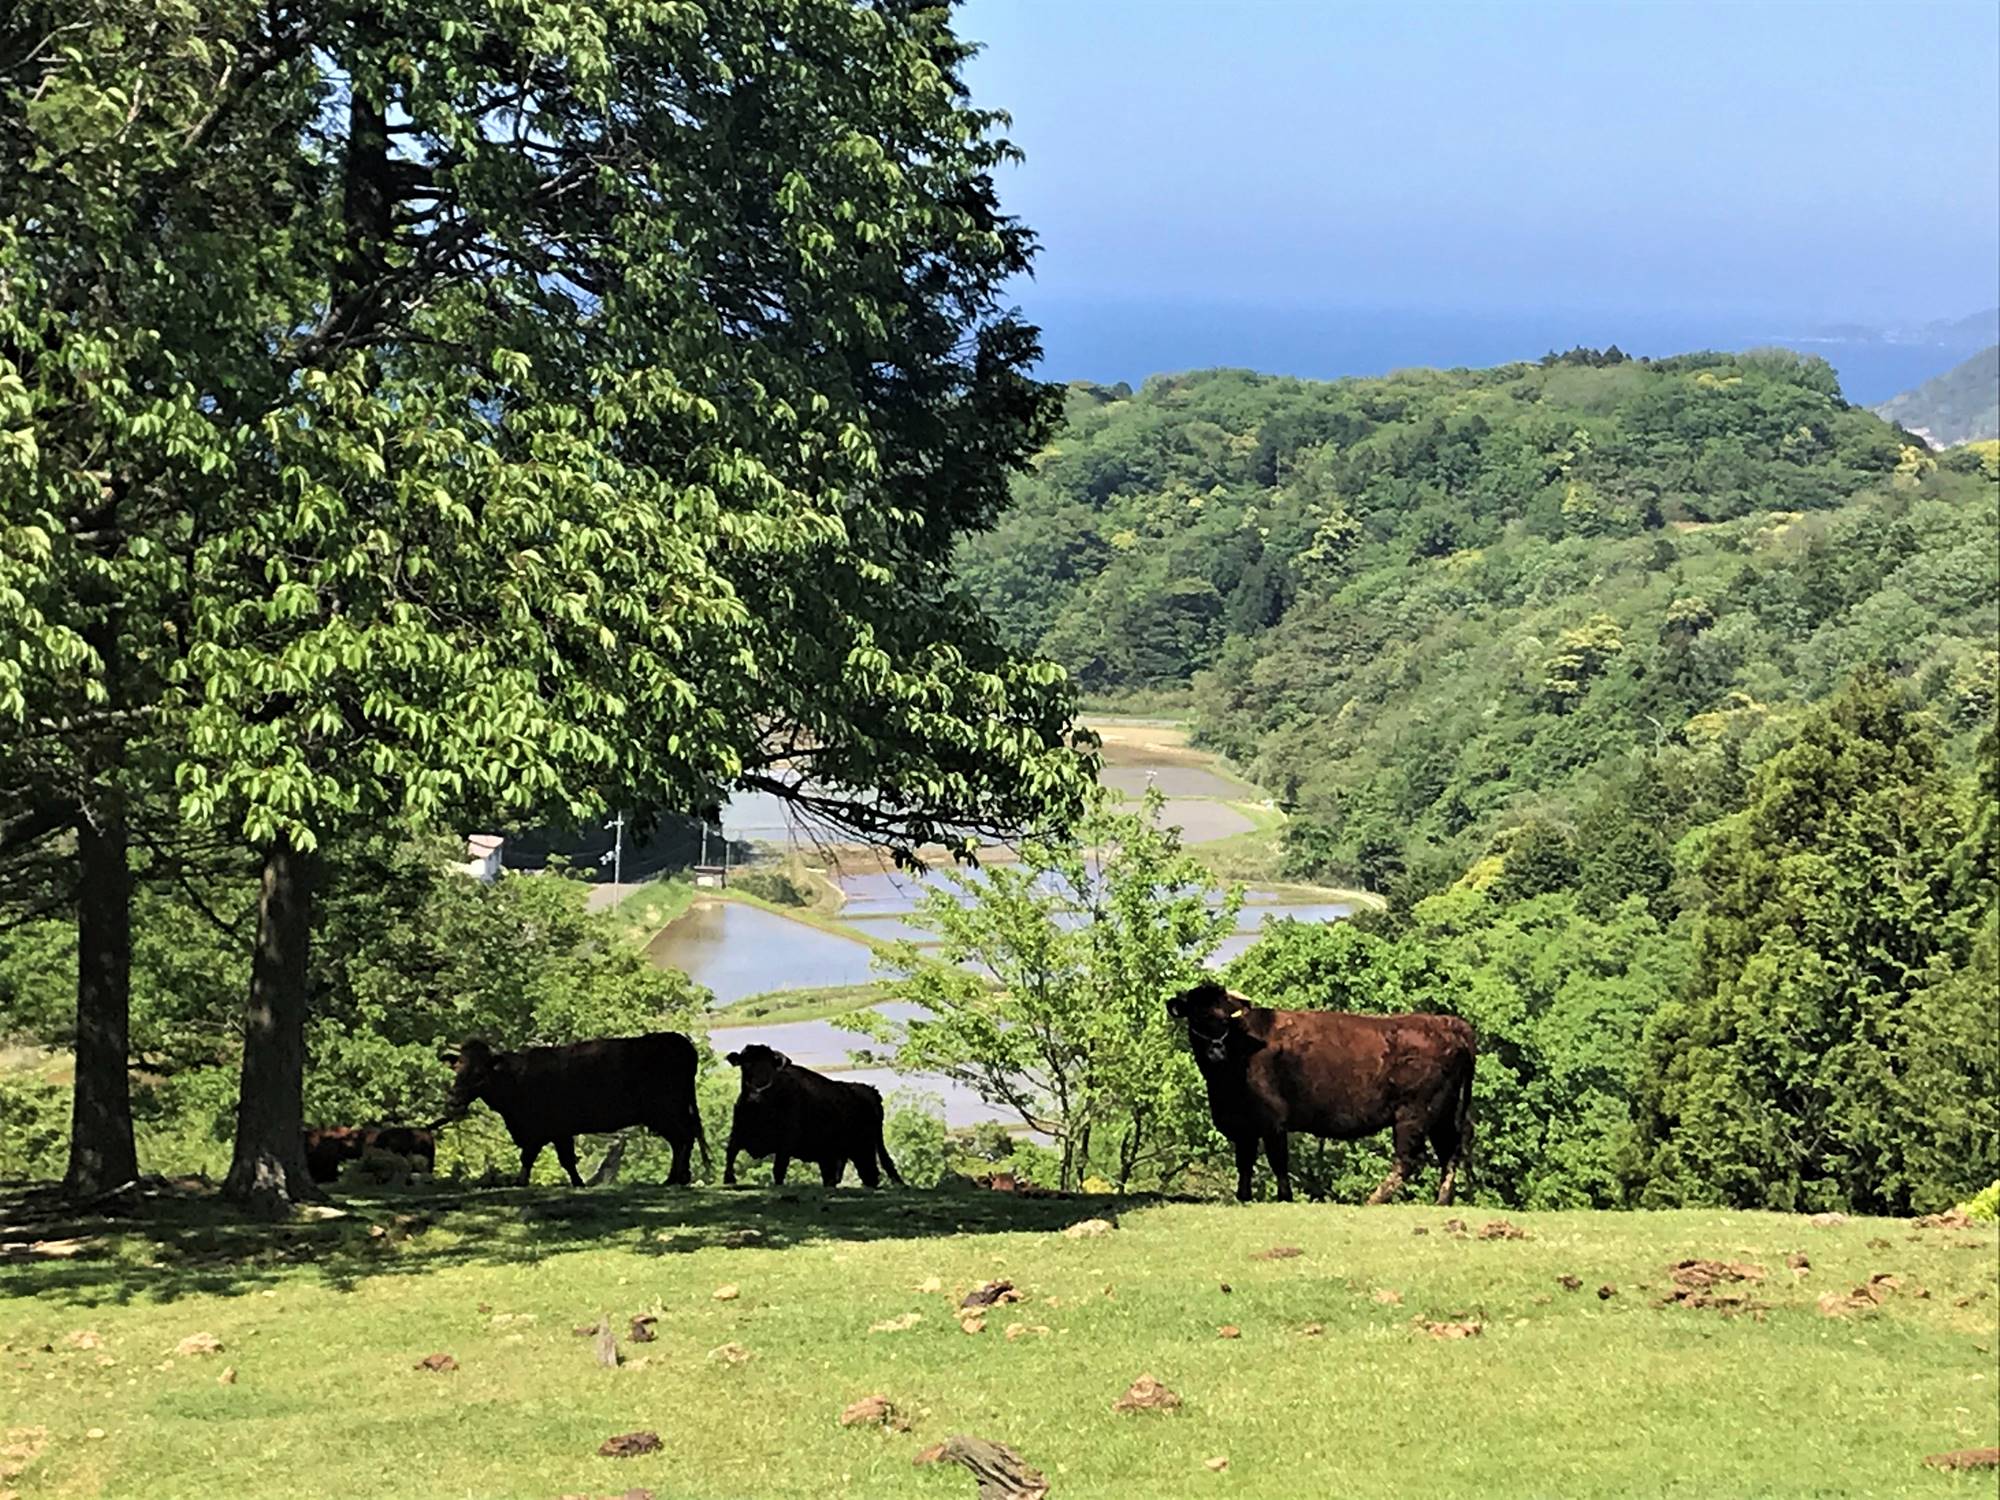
[{"x": 617, "y": 848}]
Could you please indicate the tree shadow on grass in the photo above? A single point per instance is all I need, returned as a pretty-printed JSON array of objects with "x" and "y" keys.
[{"x": 166, "y": 1244}]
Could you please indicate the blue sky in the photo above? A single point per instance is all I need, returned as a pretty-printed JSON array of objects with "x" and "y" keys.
[{"x": 1831, "y": 161}]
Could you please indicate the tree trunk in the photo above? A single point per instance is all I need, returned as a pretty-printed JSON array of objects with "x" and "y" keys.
[
  {"x": 101, "y": 1154},
  {"x": 269, "y": 1171}
]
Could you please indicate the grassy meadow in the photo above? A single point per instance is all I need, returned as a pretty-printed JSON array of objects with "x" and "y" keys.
[{"x": 1333, "y": 1383}]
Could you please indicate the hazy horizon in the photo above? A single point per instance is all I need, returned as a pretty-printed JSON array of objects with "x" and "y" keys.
[{"x": 1694, "y": 163}]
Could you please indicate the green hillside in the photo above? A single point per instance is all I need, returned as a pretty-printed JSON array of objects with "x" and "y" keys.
[
  {"x": 1960, "y": 406},
  {"x": 1428, "y": 608}
]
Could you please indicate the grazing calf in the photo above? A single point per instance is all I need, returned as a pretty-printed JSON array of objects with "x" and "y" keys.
[
  {"x": 1332, "y": 1074},
  {"x": 551, "y": 1095},
  {"x": 786, "y": 1111},
  {"x": 330, "y": 1147}
]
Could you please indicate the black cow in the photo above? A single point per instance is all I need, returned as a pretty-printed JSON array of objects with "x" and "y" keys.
[
  {"x": 786, "y": 1111},
  {"x": 551, "y": 1095},
  {"x": 1332, "y": 1074},
  {"x": 329, "y": 1147}
]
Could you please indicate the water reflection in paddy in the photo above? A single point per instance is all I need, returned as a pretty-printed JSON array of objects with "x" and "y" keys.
[{"x": 739, "y": 950}]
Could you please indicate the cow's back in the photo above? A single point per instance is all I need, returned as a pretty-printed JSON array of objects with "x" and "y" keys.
[
  {"x": 605, "y": 1084},
  {"x": 812, "y": 1117},
  {"x": 1345, "y": 1075}
]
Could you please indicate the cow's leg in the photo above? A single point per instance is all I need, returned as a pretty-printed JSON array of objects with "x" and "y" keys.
[
  {"x": 529, "y": 1151},
  {"x": 780, "y": 1164},
  {"x": 1246, "y": 1163},
  {"x": 566, "y": 1154},
  {"x": 1278, "y": 1148},
  {"x": 1446, "y": 1142},
  {"x": 832, "y": 1170},
  {"x": 681, "y": 1173},
  {"x": 1408, "y": 1144},
  {"x": 729, "y": 1161},
  {"x": 867, "y": 1168}
]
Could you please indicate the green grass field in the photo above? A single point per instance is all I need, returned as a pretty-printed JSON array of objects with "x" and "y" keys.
[{"x": 1560, "y": 1394}]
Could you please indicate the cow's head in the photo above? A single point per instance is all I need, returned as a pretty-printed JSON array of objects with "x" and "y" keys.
[
  {"x": 761, "y": 1067},
  {"x": 471, "y": 1072},
  {"x": 1214, "y": 1015}
]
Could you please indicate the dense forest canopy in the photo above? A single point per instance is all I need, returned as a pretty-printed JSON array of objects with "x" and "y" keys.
[{"x": 1429, "y": 609}]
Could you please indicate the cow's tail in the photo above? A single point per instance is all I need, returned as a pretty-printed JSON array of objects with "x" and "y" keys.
[
  {"x": 700, "y": 1135},
  {"x": 1464, "y": 1119},
  {"x": 882, "y": 1150}
]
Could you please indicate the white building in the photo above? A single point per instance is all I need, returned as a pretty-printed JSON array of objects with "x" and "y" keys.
[{"x": 482, "y": 856}]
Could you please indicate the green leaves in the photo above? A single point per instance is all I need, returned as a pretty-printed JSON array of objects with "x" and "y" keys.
[{"x": 1047, "y": 993}]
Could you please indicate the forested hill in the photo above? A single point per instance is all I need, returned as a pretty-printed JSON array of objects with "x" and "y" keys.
[
  {"x": 1426, "y": 607},
  {"x": 1960, "y": 406}
]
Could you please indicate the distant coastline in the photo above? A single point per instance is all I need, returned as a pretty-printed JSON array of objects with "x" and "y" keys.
[{"x": 1109, "y": 340}]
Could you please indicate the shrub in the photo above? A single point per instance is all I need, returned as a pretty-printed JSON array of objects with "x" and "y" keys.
[
  {"x": 34, "y": 1128},
  {"x": 915, "y": 1135},
  {"x": 775, "y": 886}
]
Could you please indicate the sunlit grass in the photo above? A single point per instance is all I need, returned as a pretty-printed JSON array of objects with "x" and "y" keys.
[{"x": 1561, "y": 1393}]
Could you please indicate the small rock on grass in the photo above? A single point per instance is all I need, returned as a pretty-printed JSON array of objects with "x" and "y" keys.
[
  {"x": 1570, "y": 1283},
  {"x": 730, "y": 1354},
  {"x": 1147, "y": 1394},
  {"x": 1312, "y": 1330},
  {"x": 1215, "y": 1465},
  {"x": 227, "y": 1377},
  {"x": 875, "y": 1411},
  {"x": 630, "y": 1445},
  {"x": 1280, "y": 1252},
  {"x": 1500, "y": 1229},
  {"x": 990, "y": 1294},
  {"x": 1606, "y": 1292},
  {"x": 1466, "y": 1330},
  {"x": 896, "y": 1325},
  {"x": 642, "y": 1328},
  {"x": 1088, "y": 1229},
  {"x": 197, "y": 1343},
  {"x": 1798, "y": 1261},
  {"x": 972, "y": 1322},
  {"x": 930, "y": 1285},
  {"x": 1229, "y": 1331},
  {"x": 437, "y": 1364},
  {"x": 727, "y": 1293},
  {"x": 1388, "y": 1297}
]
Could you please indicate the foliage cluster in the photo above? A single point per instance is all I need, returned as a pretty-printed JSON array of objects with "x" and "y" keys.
[{"x": 1424, "y": 608}]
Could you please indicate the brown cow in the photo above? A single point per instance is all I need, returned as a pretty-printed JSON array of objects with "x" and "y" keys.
[
  {"x": 551, "y": 1095},
  {"x": 330, "y": 1147},
  {"x": 1332, "y": 1074},
  {"x": 786, "y": 1111}
]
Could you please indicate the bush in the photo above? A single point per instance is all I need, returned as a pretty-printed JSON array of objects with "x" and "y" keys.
[
  {"x": 1984, "y": 1206},
  {"x": 34, "y": 1129},
  {"x": 775, "y": 886},
  {"x": 915, "y": 1135}
]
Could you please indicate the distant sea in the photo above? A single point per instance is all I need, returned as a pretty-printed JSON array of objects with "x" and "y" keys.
[{"x": 1113, "y": 340}]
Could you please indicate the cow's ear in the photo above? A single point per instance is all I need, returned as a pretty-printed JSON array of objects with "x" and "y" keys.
[
  {"x": 1176, "y": 1006},
  {"x": 734, "y": 1059},
  {"x": 784, "y": 1062}
]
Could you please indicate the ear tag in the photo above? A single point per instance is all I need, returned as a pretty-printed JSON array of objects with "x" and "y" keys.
[{"x": 1234, "y": 1014}]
